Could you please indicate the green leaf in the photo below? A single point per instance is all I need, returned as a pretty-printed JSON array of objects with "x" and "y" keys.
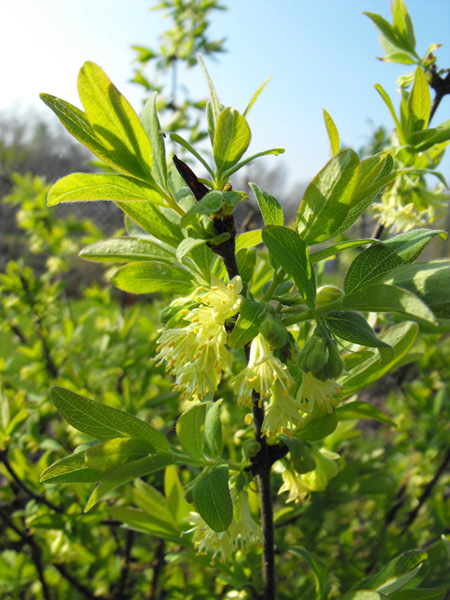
[
  {"x": 187, "y": 245},
  {"x": 388, "y": 298},
  {"x": 327, "y": 198},
  {"x": 77, "y": 124},
  {"x": 391, "y": 108},
  {"x": 86, "y": 187},
  {"x": 246, "y": 261},
  {"x": 231, "y": 139},
  {"x": 363, "y": 410},
  {"x": 214, "y": 104},
  {"x": 419, "y": 101},
  {"x": 374, "y": 262},
  {"x": 138, "y": 520},
  {"x": 247, "y": 325},
  {"x": 403, "y": 26},
  {"x": 269, "y": 206},
  {"x": 128, "y": 472},
  {"x": 255, "y": 96},
  {"x": 430, "y": 281},
  {"x": 365, "y": 372},
  {"x": 103, "y": 422},
  {"x": 152, "y": 127},
  {"x": 353, "y": 327},
  {"x": 228, "y": 172},
  {"x": 333, "y": 133},
  {"x": 71, "y": 469},
  {"x": 190, "y": 430},
  {"x": 249, "y": 239},
  {"x": 175, "y": 496},
  {"x": 318, "y": 568},
  {"x": 364, "y": 595},
  {"x": 213, "y": 429},
  {"x": 317, "y": 428},
  {"x": 153, "y": 221},
  {"x": 291, "y": 251},
  {"x": 375, "y": 174},
  {"x": 418, "y": 594},
  {"x": 209, "y": 204},
  {"x": 125, "y": 249},
  {"x": 114, "y": 122},
  {"x": 395, "y": 575},
  {"x": 153, "y": 277},
  {"x": 110, "y": 454},
  {"x": 316, "y": 257},
  {"x": 385, "y": 28},
  {"x": 212, "y": 499},
  {"x": 152, "y": 502}
]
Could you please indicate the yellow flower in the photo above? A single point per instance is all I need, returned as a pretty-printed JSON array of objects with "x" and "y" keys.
[
  {"x": 283, "y": 412},
  {"x": 293, "y": 483},
  {"x": 313, "y": 391},
  {"x": 261, "y": 373}
]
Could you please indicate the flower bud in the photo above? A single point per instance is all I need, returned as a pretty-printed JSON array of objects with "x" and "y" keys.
[
  {"x": 273, "y": 331},
  {"x": 327, "y": 294}
]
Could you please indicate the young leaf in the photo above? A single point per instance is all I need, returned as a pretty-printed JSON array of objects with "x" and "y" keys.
[
  {"x": 327, "y": 198},
  {"x": 103, "y": 422},
  {"x": 419, "y": 101},
  {"x": 231, "y": 139},
  {"x": 365, "y": 372},
  {"x": 374, "y": 262},
  {"x": 318, "y": 569},
  {"x": 115, "y": 123},
  {"x": 333, "y": 133},
  {"x": 385, "y": 28},
  {"x": 316, "y": 257},
  {"x": 247, "y": 325},
  {"x": 213, "y": 429},
  {"x": 395, "y": 575},
  {"x": 128, "y": 472},
  {"x": 388, "y": 102},
  {"x": 139, "y": 520},
  {"x": 175, "y": 496},
  {"x": 77, "y": 124},
  {"x": 269, "y": 206},
  {"x": 179, "y": 140},
  {"x": 353, "y": 327},
  {"x": 255, "y": 96},
  {"x": 246, "y": 261},
  {"x": 125, "y": 249},
  {"x": 212, "y": 499},
  {"x": 229, "y": 172},
  {"x": 85, "y": 187},
  {"x": 156, "y": 506},
  {"x": 152, "y": 220},
  {"x": 190, "y": 430},
  {"x": 70, "y": 469},
  {"x": 152, "y": 127},
  {"x": 388, "y": 298},
  {"x": 403, "y": 26},
  {"x": 291, "y": 251},
  {"x": 363, "y": 410},
  {"x": 215, "y": 104},
  {"x": 430, "y": 281},
  {"x": 110, "y": 454},
  {"x": 153, "y": 277}
]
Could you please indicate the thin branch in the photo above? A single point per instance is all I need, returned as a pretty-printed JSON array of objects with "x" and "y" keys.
[
  {"x": 426, "y": 493},
  {"x": 61, "y": 568},
  {"x": 441, "y": 85},
  {"x": 158, "y": 565},
  {"x": 36, "y": 554},
  {"x": 38, "y": 497},
  {"x": 119, "y": 594}
]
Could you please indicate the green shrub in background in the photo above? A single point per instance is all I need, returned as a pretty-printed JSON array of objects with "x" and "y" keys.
[{"x": 287, "y": 344}]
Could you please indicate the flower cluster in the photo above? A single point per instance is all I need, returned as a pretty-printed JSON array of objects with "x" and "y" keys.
[
  {"x": 242, "y": 534},
  {"x": 194, "y": 351}
]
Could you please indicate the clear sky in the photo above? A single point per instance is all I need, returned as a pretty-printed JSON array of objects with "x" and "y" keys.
[{"x": 321, "y": 54}]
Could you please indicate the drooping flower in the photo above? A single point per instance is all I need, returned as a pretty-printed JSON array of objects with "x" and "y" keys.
[
  {"x": 312, "y": 391},
  {"x": 241, "y": 534},
  {"x": 283, "y": 413},
  {"x": 195, "y": 353},
  {"x": 294, "y": 484},
  {"x": 261, "y": 373}
]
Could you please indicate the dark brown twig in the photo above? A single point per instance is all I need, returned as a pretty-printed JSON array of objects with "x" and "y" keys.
[
  {"x": 38, "y": 497},
  {"x": 158, "y": 565},
  {"x": 120, "y": 593}
]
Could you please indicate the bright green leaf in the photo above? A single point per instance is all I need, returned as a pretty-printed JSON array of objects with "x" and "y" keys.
[
  {"x": 153, "y": 221},
  {"x": 213, "y": 429},
  {"x": 110, "y": 454},
  {"x": 247, "y": 325},
  {"x": 403, "y": 26},
  {"x": 175, "y": 496},
  {"x": 152, "y": 127},
  {"x": 318, "y": 569},
  {"x": 336, "y": 248},
  {"x": 317, "y": 428},
  {"x": 126, "y": 249},
  {"x": 153, "y": 277},
  {"x": 291, "y": 251},
  {"x": 269, "y": 206},
  {"x": 327, "y": 198},
  {"x": 190, "y": 430},
  {"x": 419, "y": 102},
  {"x": 333, "y": 133},
  {"x": 71, "y": 469},
  {"x": 363, "y": 410},
  {"x": 231, "y": 140}
]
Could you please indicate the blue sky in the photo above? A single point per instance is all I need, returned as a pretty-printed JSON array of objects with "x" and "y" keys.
[{"x": 321, "y": 54}]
